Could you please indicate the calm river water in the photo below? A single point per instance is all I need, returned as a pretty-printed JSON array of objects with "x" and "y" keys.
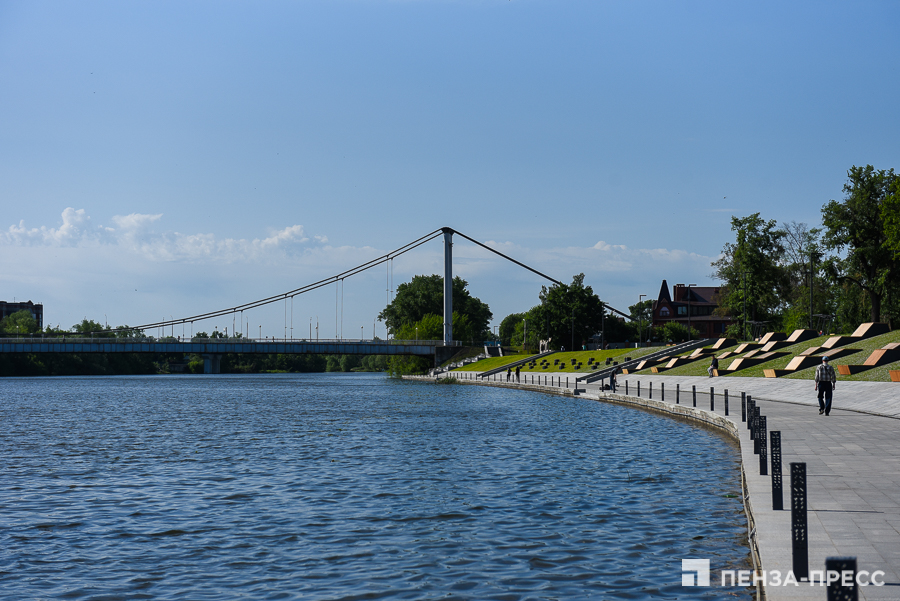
[{"x": 352, "y": 486}]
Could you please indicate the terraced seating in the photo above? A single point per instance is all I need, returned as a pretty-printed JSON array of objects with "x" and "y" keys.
[{"x": 886, "y": 354}]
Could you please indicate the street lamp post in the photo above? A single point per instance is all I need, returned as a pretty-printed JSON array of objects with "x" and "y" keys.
[
  {"x": 524, "y": 333},
  {"x": 690, "y": 335},
  {"x": 640, "y": 321},
  {"x": 573, "y": 328}
]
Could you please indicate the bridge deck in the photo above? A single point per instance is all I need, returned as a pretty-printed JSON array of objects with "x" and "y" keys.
[{"x": 214, "y": 346}]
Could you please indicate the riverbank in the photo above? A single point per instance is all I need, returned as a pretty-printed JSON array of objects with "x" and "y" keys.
[{"x": 852, "y": 461}]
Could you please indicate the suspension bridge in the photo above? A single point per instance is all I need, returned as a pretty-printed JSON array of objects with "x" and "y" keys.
[{"x": 212, "y": 349}]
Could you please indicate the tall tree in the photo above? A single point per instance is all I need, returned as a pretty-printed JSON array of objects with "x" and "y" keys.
[
  {"x": 856, "y": 226},
  {"x": 508, "y": 327},
  {"x": 424, "y": 295},
  {"x": 752, "y": 271},
  {"x": 568, "y": 314}
]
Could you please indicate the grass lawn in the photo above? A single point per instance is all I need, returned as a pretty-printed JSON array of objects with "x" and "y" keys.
[
  {"x": 582, "y": 356},
  {"x": 492, "y": 362},
  {"x": 863, "y": 349},
  {"x": 694, "y": 368}
]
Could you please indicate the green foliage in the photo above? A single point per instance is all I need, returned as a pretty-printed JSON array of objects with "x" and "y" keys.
[
  {"x": 508, "y": 328},
  {"x": 400, "y": 365},
  {"x": 677, "y": 332},
  {"x": 424, "y": 296},
  {"x": 751, "y": 268},
  {"x": 566, "y": 312},
  {"x": 890, "y": 214},
  {"x": 20, "y": 322},
  {"x": 857, "y": 226}
]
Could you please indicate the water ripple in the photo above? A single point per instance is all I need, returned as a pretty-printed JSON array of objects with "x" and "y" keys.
[{"x": 332, "y": 486}]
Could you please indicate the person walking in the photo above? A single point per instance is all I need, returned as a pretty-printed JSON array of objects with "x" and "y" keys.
[
  {"x": 508, "y": 373},
  {"x": 826, "y": 382},
  {"x": 714, "y": 365},
  {"x": 612, "y": 380},
  {"x": 517, "y": 372}
]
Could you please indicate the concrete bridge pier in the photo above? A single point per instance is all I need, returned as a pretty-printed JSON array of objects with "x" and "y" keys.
[
  {"x": 212, "y": 364},
  {"x": 444, "y": 353}
]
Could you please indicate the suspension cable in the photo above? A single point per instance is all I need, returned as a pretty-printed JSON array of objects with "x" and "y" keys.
[{"x": 303, "y": 289}]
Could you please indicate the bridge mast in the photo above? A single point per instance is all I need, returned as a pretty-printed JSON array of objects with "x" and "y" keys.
[{"x": 448, "y": 285}]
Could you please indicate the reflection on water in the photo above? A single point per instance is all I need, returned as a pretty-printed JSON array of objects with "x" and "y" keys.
[{"x": 340, "y": 486}]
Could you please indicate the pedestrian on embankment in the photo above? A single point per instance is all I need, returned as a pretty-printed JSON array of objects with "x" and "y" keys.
[
  {"x": 508, "y": 373},
  {"x": 826, "y": 382},
  {"x": 517, "y": 372},
  {"x": 612, "y": 380},
  {"x": 713, "y": 366}
]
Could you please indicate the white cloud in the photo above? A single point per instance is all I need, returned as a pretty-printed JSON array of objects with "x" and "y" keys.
[
  {"x": 133, "y": 233},
  {"x": 68, "y": 234}
]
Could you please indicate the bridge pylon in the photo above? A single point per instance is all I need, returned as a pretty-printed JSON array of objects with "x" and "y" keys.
[{"x": 448, "y": 286}]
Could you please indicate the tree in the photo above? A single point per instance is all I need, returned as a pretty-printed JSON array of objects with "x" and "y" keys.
[
  {"x": 20, "y": 322},
  {"x": 890, "y": 213},
  {"x": 508, "y": 327},
  {"x": 424, "y": 295},
  {"x": 857, "y": 226},
  {"x": 641, "y": 319},
  {"x": 755, "y": 282},
  {"x": 567, "y": 312},
  {"x": 801, "y": 245}
]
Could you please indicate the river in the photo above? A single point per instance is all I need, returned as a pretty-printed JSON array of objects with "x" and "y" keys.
[{"x": 352, "y": 486}]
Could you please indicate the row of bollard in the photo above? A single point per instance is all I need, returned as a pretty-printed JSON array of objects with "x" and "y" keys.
[{"x": 765, "y": 445}]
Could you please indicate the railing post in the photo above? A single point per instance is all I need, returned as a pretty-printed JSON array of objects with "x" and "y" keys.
[
  {"x": 678, "y": 394},
  {"x": 763, "y": 455},
  {"x": 777, "y": 486},
  {"x": 662, "y": 391},
  {"x": 726, "y": 401},
  {"x": 743, "y": 406},
  {"x": 712, "y": 398},
  {"x": 639, "y": 388},
  {"x": 694, "y": 394},
  {"x": 799, "y": 532},
  {"x": 651, "y": 390},
  {"x": 837, "y": 589},
  {"x": 626, "y": 387}
]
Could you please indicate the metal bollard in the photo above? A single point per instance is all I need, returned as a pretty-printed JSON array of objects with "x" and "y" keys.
[
  {"x": 799, "y": 531},
  {"x": 651, "y": 390},
  {"x": 662, "y": 391},
  {"x": 712, "y": 398},
  {"x": 837, "y": 590},
  {"x": 726, "y": 401},
  {"x": 626, "y": 387},
  {"x": 743, "y": 406},
  {"x": 777, "y": 492},
  {"x": 750, "y": 414},
  {"x": 694, "y": 393},
  {"x": 763, "y": 444},
  {"x": 678, "y": 394},
  {"x": 639, "y": 388},
  {"x": 756, "y": 416}
]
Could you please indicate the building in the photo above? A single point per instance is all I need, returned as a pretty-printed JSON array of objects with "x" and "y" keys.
[
  {"x": 37, "y": 311},
  {"x": 691, "y": 305}
]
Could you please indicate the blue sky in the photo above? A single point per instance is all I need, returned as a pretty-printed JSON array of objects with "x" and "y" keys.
[{"x": 166, "y": 158}]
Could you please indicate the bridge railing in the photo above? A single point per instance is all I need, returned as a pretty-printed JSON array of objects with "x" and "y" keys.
[{"x": 180, "y": 340}]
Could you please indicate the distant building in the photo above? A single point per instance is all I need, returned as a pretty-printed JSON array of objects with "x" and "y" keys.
[
  {"x": 698, "y": 301},
  {"x": 37, "y": 311}
]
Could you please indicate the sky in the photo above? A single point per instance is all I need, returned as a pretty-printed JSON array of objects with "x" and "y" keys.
[{"x": 163, "y": 159}]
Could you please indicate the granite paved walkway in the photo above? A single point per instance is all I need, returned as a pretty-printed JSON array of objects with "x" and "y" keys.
[{"x": 853, "y": 469}]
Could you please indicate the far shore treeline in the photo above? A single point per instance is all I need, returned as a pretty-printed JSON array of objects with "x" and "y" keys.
[{"x": 785, "y": 277}]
